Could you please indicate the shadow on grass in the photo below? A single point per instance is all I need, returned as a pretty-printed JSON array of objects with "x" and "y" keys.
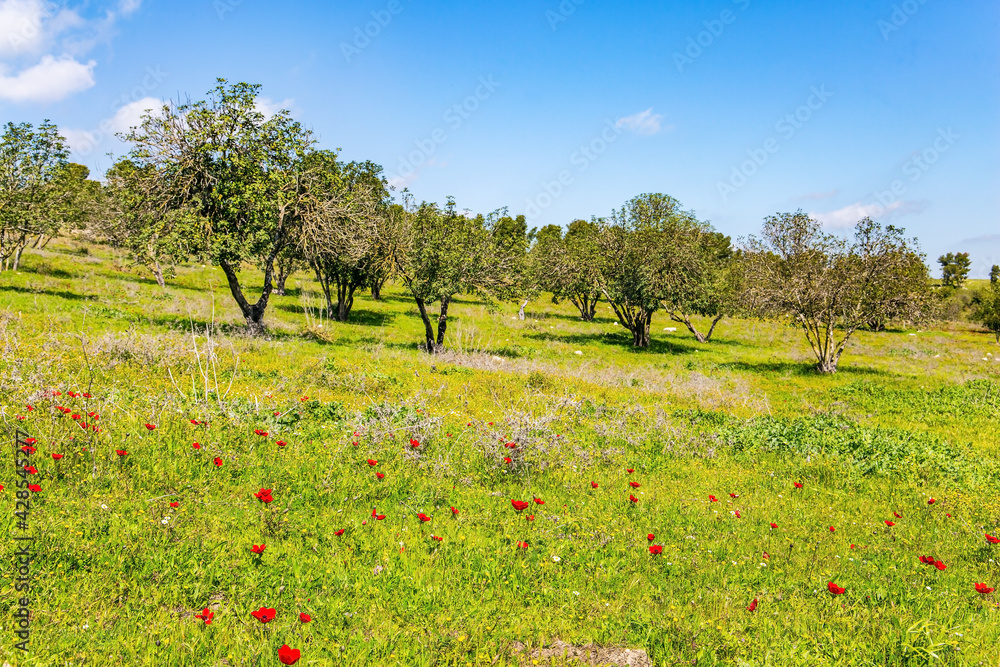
[
  {"x": 359, "y": 316},
  {"x": 622, "y": 339},
  {"x": 59, "y": 294},
  {"x": 806, "y": 369}
]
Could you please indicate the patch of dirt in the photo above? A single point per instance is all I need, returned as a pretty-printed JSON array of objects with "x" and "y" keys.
[{"x": 589, "y": 654}]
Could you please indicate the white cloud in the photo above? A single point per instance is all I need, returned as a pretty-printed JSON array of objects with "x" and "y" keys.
[
  {"x": 849, "y": 215},
  {"x": 269, "y": 107},
  {"x": 50, "y": 80},
  {"x": 131, "y": 114},
  {"x": 644, "y": 122},
  {"x": 126, "y": 7},
  {"x": 85, "y": 142}
]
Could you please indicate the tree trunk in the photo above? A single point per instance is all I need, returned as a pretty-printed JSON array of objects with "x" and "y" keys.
[
  {"x": 586, "y": 305},
  {"x": 252, "y": 313},
  {"x": 17, "y": 257},
  {"x": 684, "y": 319},
  {"x": 345, "y": 300},
  {"x": 640, "y": 329},
  {"x": 443, "y": 321},
  {"x": 827, "y": 366},
  {"x": 158, "y": 273},
  {"x": 429, "y": 345},
  {"x": 279, "y": 287},
  {"x": 520, "y": 313},
  {"x": 376, "y": 291}
]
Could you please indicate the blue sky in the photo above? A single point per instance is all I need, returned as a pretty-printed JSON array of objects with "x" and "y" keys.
[{"x": 564, "y": 110}]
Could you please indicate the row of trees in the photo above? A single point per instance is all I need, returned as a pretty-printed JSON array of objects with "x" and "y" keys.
[{"x": 219, "y": 180}]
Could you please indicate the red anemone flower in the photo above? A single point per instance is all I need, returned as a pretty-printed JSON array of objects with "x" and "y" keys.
[
  {"x": 264, "y": 496},
  {"x": 983, "y": 589},
  {"x": 629, "y": 470},
  {"x": 927, "y": 560},
  {"x": 519, "y": 505},
  {"x": 206, "y": 615},
  {"x": 423, "y": 517},
  {"x": 634, "y": 485},
  {"x": 832, "y": 529},
  {"x": 281, "y": 443},
  {"x": 531, "y": 517},
  {"x": 734, "y": 495},
  {"x": 713, "y": 499},
  {"x": 992, "y": 540},
  {"x": 737, "y": 514},
  {"x": 753, "y": 606},
  {"x": 835, "y": 589},
  {"x": 522, "y": 545},
  {"x": 507, "y": 459},
  {"x": 28, "y": 449},
  {"x": 931, "y": 501},
  {"x": 217, "y": 461},
  {"x": 633, "y": 498},
  {"x": 150, "y": 427},
  {"x": 56, "y": 457},
  {"x": 897, "y": 515},
  {"x": 454, "y": 511},
  {"x": 593, "y": 485},
  {"x": 31, "y": 470},
  {"x": 773, "y": 525},
  {"x": 435, "y": 537},
  {"x": 380, "y": 475},
  {"x": 304, "y": 617},
  {"x": 656, "y": 549},
  {"x": 890, "y": 523},
  {"x": 258, "y": 548},
  {"x": 196, "y": 445},
  {"x": 288, "y": 656},
  {"x": 121, "y": 452},
  {"x": 414, "y": 443},
  {"x": 379, "y": 517},
  {"x": 798, "y": 485},
  {"x": 372, "y": 462},
  {"x": 539, "y": 501},
  {"x": 650, "y": 537},
  {"x": 34, "y": 488},
  {"x": 340, "y": 532},
  {"x": 175, "y": 504},
  {"x": 939, "y": 565},
  {"x": 264, "y": 614}
]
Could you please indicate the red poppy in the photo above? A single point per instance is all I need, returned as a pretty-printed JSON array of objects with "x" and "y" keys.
[
  {"x": 633, "y": 498},
  {"x": 206, "y": 615},
  {"x": 31, "y": 470},
  {"x": 379, "y": 517},
  {"x": 852, "y": 546},
  {"x": 281, "y": 443},
  {"x": 34, "y": 488},
  {"x": 927, "y": 560},
  {"x": 76, "y": 417},
  {"x": 288, "y": 656},
  {"x": 650, "y": 537},
  {"x": 939, "y": 565},
  {"x": 507, "y": 459},
  {"x": 423, "y": 517},
  {"x": 27, "y": 449},
  {"x": 593, "y": 485},
  {"x": 454, "y": 511},
  {"x": 656, "y": 549},
  {"x": 519, "y": 505},
  {"x": 629, "y": 470},
  {"x": 414, "y": 443},
  {"x": 890, "y": 523},
  {"x": 897, "y": 515},
  {"x": 258, "y": 548},
  {"x": 435, "y": 537},
  {"x": 195, "y": 422},
  {"x": 30, "y": 441},
  {"x": 992, "y": 540},
  {"x": 264, "y": 496},
  {"x": 531, "y": 517},
  {"x": 196, "y": 445},
  {"x": 121, "y": 452},
  {"x": 713, "y": 499},
  {"x": 56, "y": 457},
  {"x": 539, "y": 501},
  {"x": 340, "y": 532},
  {"x": 150, "y": 427},
  {"x": 511, "y": 445},
  {"x": 734, "y": 495},
  {"x": 931, "y": 501},
  {"x": 261, "y": 433},
  {"x": 304, "y": 617},
  {"x": 798, "y": 485},
  {"x": 380, "y": 475},
  {"x": 372, "y": 462},
  {"x": 30, "y": 407},
  {"x": 175, "y": 504},
  {"x": 983, "y": 589},
  {"x": 737, "y": 514},
  {"x": 264, "y": 614},
  {"x": 1, "y": 487},
  {"x": 753, "y": 606},
  {"x": 835, "y": 589},
  {"x": 217, "y": 461},
  {"x": 773, "y": 525},
  {"x": 522, "y": 545},
  {"x": 832, "y": 529},
  {"x": 634, "y": 485}
]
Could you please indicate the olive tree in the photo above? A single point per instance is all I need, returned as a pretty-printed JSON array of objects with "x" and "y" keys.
[
  {"x": 830, "y": 285},
  {"x": 567, "y": 265},
  {"x": 986, "y": 308},
  {"x": 708, "y": 287},
  {"x": 243, "y": 173}
]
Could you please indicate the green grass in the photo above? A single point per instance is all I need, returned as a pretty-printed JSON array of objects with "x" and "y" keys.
[{"x": 119, "y": 573}]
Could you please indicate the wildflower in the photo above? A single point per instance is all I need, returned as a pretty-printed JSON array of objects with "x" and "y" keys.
[
  {"x": 196, "y": 445},
  {"x": 798, "y": 485},
  {"x": 56, "y": 457},
  {"x": 890, "y": 523},
  {"x": 650, "y": 537},
  {"x": 531, "y": 517},
  {"x": 261, "y": 433},
  {"x": 264, "y": 614},
  {"x": 736, "y": 513},
  {"x": 835, "y": 589},
  {"x": 264, "y": 496},
  {"x": 927, "y": 560},
  {"x": 217, "y": 461},
  {"x": 175, "y": 504},
  {"x": 281, "y": 443},
  {"x": 634, "y": 485},
  {"x": 773, "y": 525},
  {"x": 992, "y": 540},
  {"x": 983, "y": 589},
  {"x": 939, "y": 565},
  {"x": 766, "y": 556},
  {"x": 303, "y": 399},
  {"x": 435, "y": 537},
  {"x": 507, "y": 459},
  {"x": 30, "y": 407},
  {"x": 734, "y": 495},
  {"x": 31, "y": 470},
  {"x": 629, "y": 470},
  {"x": 556, "y": 559},
  {"x": 93, "y": 415},
  {"x": 832, "y": 529},
  {"x": 34, "y": 488},
  {"x": 633, "y": 498},
  {"x": 150, "y": 427},
  {"x": 414, "y": 443},
  {"x": 121, "y": 452},
  {"x": 897, "y": 515},
  {"x": 511, "y": 445},
  {"x": 539, "y": 501},
  {"x": 454, "y": 512},
  {"x": 76, "y": 418},
  {"x": 206, "y": 615},
  {"x": 380, "y": 475},
  {"x": 713, "y": 499},
  {"x": 656, "y": 549},
  {"x": 379, "y": 517},
  {"x": 522, "y": 545},
  {"x": 593, "y": 485},
  {"x": 28, "y": 449},
  {"x": 931, "y": 501},
  {"x": 753, "y": 606},
  {"x": 258, "y": 548},
  {"x": 519, "y": 505},
  {"x": 340, "y": 532},
  {"x": 304, "y": 617},
  {"x": 423, "y": 517},
  {"x": 372, "y": 462}
]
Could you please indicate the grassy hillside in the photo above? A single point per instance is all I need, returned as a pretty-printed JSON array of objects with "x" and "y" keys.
[{"x": 120, "y": 573}]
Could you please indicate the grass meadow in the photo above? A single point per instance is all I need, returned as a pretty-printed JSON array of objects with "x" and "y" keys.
[{"x": 759, "y": 486}]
